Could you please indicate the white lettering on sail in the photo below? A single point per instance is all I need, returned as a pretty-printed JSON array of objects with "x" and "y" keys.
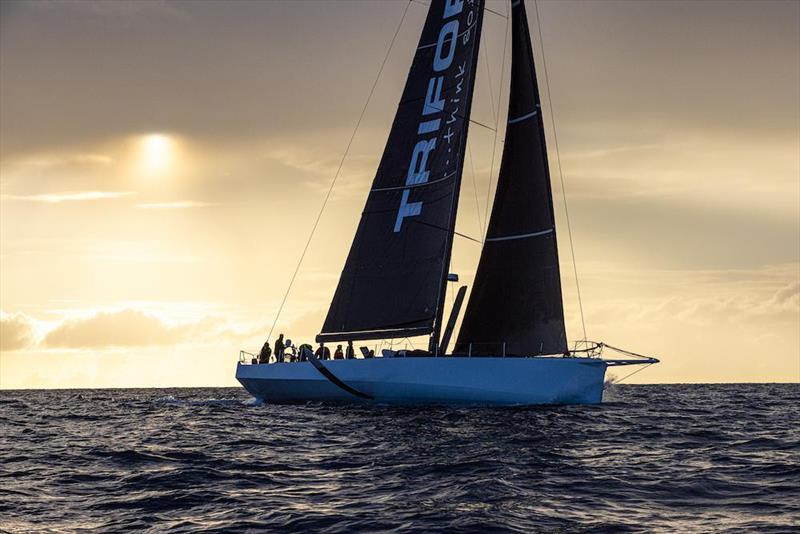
[
  {"x": 447, "y": 35},
  {"x": 429, "y": 126},
  {"x": 468, "y": 32},
  {"x": 452, "y": 7},
  {"x": 418, "y": 172},
  {"x": 434, "y": 102},
  {"x": 407, "y": 209}
]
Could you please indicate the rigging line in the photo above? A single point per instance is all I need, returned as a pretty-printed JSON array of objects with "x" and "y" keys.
[
  {"x": 459, "y": 115},
  {"x": 627, "y": 352},
  {"x": 475, "y": 188},
  {"x": 486, "y": 126},
  {"x": 489, "y": 75},
  {"x": 497, "y": 121},
  {"x": 493, "y": 12},
  {"x": 560, "y": 171},
  {"x": 484, "y": 7},
  {"x": 423, "y": 223},
  {"x": 633, "y": 373},
  {"x": 339, "y": 169}
]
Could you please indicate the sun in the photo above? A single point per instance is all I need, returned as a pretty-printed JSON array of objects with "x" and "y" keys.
[{"x": 156, "y": 153}]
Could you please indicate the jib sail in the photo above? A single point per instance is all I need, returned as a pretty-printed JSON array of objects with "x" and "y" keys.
[{"x": 516, "y": 305}]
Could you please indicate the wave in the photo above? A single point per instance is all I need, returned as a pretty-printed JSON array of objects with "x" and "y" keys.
[{"x": 652, "y": 458}]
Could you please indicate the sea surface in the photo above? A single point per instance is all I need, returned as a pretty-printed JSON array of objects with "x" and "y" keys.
[{"x": 679, "y": 458}]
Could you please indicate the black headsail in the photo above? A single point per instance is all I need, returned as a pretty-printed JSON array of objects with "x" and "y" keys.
[
  {"x": 515, "y": 304},
  {"x": 394, "y": 280}
]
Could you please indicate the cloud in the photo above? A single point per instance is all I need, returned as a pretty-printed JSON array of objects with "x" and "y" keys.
[
  {"x": 125, "y": 328},
  {"x": 611, "y": 151},
  {"x": 135, "y": 328},
  {"x": 788, "y": 297},
  {"x": 320, "y": 164},
  {"x": 134, "y": 257},
  {"x": 72, "y": 196},
  {"x": 181, "y": 204},
  {"x": 67, "y": 160},
  {"x": 765, "y": 298},
  {"x": 16, "y": 332}
]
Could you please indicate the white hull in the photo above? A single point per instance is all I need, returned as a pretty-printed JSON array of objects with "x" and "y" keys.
[{"x": 427, "y": 380}]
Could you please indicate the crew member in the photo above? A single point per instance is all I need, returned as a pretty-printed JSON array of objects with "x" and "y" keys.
[
  {"x": 338, "y": 355},
  {"x": 292, "y": 350},
  {"x": 302, "y": 351},
  {"x": 349, "y": 352},
  {"x": 279, "y": 348},
  {"x": 266, "y": 352}
]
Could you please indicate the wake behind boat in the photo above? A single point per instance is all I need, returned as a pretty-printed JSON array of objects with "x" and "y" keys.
[{"x": 512, "y": 344}]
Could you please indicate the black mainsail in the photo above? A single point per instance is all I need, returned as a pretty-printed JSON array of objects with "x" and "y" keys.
[
  {"x": 516, "y": 305},
  {"x": 394, "y": 280}
]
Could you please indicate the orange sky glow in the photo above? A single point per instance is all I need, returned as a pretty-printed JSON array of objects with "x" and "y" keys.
[{"x": 162, "y": 165}]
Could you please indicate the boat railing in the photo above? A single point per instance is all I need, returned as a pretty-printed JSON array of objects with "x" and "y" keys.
[
  {"x": 494, "y": 348},
  {"x": 247, "y": 358},
  {"x": 585, "y": 349}
]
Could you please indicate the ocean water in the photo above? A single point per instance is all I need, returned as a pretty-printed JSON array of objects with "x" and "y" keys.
[{"x": 652, "y": 458}]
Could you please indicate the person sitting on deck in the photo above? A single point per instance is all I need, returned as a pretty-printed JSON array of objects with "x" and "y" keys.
[
  {"x": 266, "y": 352},
  {"x": 338, "y": 355},
  {"x": 279, "y": 348},
  {"x": 349, "y": 353}
]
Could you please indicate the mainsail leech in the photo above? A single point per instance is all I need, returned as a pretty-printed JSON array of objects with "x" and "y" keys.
[{"x": 393, "y": 281}]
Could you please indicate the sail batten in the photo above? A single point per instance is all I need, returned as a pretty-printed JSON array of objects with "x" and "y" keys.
[
  {"x": 393, "y": 279},
  {"x": 388, "y": 333},
  {"x": 520, "y": 236},
  {"x": 516, "y": 302},
  {"x": 524, "y": 117}
]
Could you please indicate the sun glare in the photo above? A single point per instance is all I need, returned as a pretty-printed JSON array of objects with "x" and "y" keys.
[{"x": 156, "y": 153}]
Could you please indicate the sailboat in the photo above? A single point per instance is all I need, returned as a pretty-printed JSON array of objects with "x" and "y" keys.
[{"x": 512, "y": 346}]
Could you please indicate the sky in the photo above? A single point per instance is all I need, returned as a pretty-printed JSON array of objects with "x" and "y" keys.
[{"x": 162, "y": 165}]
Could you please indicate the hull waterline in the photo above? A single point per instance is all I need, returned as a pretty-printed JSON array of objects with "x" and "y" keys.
[{"x": 427, "y": 380}]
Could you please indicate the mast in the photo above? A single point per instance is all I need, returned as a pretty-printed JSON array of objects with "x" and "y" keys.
[
  {"x": 516, "y": 303},
  {"x": 394, "y": 280}
]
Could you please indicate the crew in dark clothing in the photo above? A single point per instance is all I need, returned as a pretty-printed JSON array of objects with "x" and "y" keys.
[
  {"x": 338, "y": 355},
  {"x": 302, "y": 351},
  {"x": 279, "y": 348},
  {"x": 323, "y": 352},
  {"x": 265, "y": 353},
  {"x": 349, "y": 352}
]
